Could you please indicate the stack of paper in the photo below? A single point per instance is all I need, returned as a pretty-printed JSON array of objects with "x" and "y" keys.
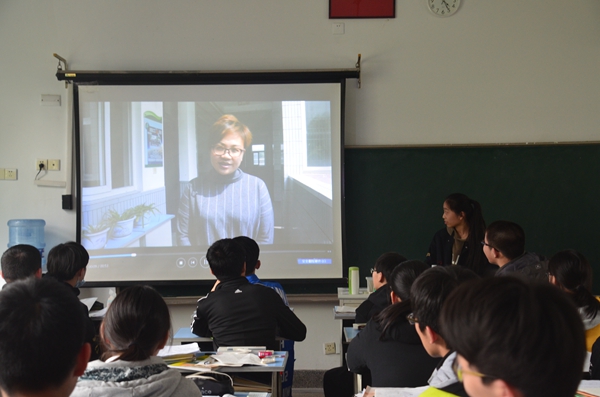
[{"x": 179, "y": 353}]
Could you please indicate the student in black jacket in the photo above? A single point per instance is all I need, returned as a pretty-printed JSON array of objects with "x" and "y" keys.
[
  {"x": 67, "y": 263},
  {"x": 237, "y": 313},
  {"x": 389, "y": 347},
  {"x": 380, "y": 298},
  {"x": 338, "y": 381}
]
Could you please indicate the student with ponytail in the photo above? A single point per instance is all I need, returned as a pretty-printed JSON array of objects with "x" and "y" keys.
[
  {"x": 389, "y": 347},
  {"x": 459, "y": 242},
  {"x": 136, "y": 326},
  {"x": 570, "y": 271}
]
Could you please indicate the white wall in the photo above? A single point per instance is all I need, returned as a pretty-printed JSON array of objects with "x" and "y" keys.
[{"x": 505, "y": 71}]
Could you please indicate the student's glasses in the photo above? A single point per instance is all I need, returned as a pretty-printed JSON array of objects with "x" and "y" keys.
[
  {"x": 412, "y": 320},
  {"x": 221, "y": 150},
  {"x": 458, "y": 371},
  {"x": 484, "y": 243}
]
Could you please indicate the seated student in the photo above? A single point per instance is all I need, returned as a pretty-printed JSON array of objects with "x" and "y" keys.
[
  {"x": 237, "y": 313},
  {"x": 21, "y": 261},
  {"x": 514, "y": 338},
  {"x": 67, "y": 263},
  {"x": 136, "y": 326},
  {"x": 252, "y": 264},
  {"x": 338, "y": 381},
  {"x": 389, "y": 347},
  {"x": 380, "y": 299},
  {"x": 427, "y": 295},
  {"x": 504, "y": 245},
  {"x": 42, "y": 350},
  {"x": 570, "y": 271}
]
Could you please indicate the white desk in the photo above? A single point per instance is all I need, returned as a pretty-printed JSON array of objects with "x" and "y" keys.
[
  {"x": 347, "y": 299},
  {"x": 185, "y": 335},
  {"x": 276, "y": 369},
  {"x": 350, "y": 333}
]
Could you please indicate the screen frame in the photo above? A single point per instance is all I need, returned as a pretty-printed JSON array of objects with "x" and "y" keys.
[{"x": 87, "y": 78}]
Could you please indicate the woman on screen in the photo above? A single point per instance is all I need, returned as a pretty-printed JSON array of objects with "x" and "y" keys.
[
  {"x": 226, "y": 202},
  {"x": 459, "y": 243},
  {"x": 136, "y": 326}
]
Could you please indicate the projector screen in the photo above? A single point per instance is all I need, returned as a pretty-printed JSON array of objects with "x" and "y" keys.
[{"x": 166, "y": 170}]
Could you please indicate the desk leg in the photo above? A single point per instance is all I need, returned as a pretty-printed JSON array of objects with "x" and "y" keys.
[
  {"x": 357, "y": 383},
  {"x": 276, "y": 384}
]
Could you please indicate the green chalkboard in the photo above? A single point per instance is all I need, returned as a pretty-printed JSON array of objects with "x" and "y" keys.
[{"x": 394, "y": 196}]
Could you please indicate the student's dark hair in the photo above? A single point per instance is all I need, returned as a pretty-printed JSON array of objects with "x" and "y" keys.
[
  {"x": 84, "y": 256},
  {"x": 65, "y": 260},
  {"x": 226, "y": 258},
  {"x": 252, "y": 252},
  {"x": 528, "y": 334},
  {"x": 41, "y": 335},
  {"x": 458, "y": 202},
  {"x": 431, "y": 289},
  {"x": 507, "y": 237},
  {"x": 387, "y": 262},
  {"x": 574, "y": 273},
  {"x": 400, "y": 281},
  {"x": 20, "y": 261},
  {"x": 135, "y": 323}
]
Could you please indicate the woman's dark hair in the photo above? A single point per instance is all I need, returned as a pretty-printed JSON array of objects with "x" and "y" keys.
[
  {"x": 528, "y": 334},
  {"x": 458, "y": 203},
  {"x": 401, "y": 279},
  {"x": 228, "y": 124},
  {"x": 136, "y": 322},
  {"x": 574, "y": 273}
]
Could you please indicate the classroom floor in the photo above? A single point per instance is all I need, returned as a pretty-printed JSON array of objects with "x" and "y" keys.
[
  {"x": 308, "y": 384},
  {"x": 307, "y": 392}
]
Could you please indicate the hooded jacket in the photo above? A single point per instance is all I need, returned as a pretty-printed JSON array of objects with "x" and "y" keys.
[
  {"x": 529, "y": 264},
  {"x": 148, "y": 378},
  {"x": 374, "y": 304}
]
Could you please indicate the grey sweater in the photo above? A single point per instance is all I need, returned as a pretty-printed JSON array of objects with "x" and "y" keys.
[{"x": 215, "y": 206}]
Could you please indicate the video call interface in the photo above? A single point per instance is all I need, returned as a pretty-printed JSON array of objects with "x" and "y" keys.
[{"x": 165, "y": 171}]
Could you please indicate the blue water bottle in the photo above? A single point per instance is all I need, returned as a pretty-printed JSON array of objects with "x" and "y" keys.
[{"x": 28, "y": 231}]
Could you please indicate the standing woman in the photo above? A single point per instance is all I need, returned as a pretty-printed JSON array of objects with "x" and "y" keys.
[
  {"x": 459, "y": 242},
  {"x": 570, "y": 271}
]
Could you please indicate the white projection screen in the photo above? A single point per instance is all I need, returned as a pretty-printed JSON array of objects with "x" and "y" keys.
[{"x": 157, "y": 186}]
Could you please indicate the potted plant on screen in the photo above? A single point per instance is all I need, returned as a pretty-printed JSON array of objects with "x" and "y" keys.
[
  {"x": 142, "y": 212},
  {"x": 121, "y": 224},
  {"x": 95, "y": 236}
]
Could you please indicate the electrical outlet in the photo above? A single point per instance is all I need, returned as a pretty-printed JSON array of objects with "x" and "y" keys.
[
  {"x": 50, "y": 100},
  {"x": 54, "y": 165},
  {"x": 329, "y": 348},
  {"x": 44, "y": 162},
  {"x": 10, "y": 174},
  {"x": 337, "y": 28}
]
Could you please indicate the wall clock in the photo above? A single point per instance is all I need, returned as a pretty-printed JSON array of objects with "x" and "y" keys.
[{"x": 443, "y": 8}]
